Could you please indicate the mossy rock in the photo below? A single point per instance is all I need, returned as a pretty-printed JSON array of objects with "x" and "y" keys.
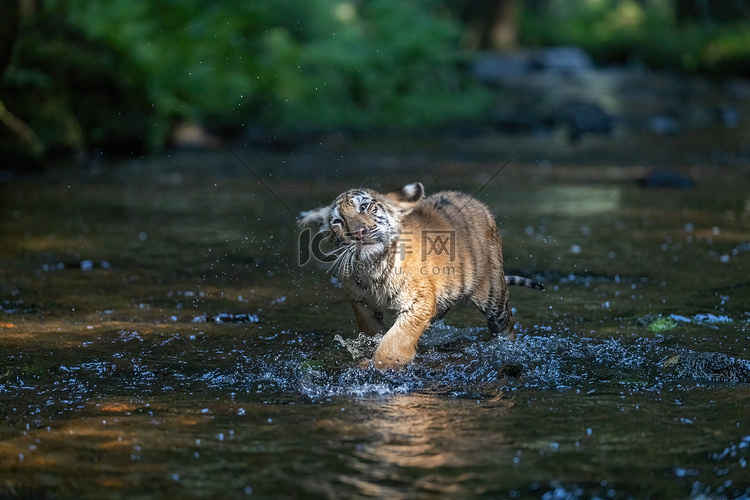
[
  {"x": 657, "y": 323},
  {"x": 662, "y": 324}
]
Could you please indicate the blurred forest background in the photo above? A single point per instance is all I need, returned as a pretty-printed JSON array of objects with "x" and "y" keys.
[{"x": 121, "y": 75}]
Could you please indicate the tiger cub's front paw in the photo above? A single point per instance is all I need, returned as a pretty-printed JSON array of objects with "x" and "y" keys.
[{"x": 379, "y": 364}]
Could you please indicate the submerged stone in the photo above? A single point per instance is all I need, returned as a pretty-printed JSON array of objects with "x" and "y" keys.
[{"x": 711, "y": 366}]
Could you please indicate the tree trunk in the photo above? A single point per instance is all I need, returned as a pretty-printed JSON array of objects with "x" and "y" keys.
[
  {"x": 10, "y": 12},
  {"x": 493, "y": 23},
  {"x": 504, "y": 29}
]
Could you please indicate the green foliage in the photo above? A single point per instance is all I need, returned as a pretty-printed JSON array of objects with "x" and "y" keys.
[
  {"x": 289, "y": 65},
  {"x": 388, "y": 64},
  {"x": 71, "y": 92},
  {"x": 623, "y": 30},
  {"x": 191, "y": 61},
  {"x": 662, "y": 324}
]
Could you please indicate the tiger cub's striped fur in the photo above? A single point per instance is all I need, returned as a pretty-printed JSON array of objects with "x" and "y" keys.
[{"x": 415, "y": 257}]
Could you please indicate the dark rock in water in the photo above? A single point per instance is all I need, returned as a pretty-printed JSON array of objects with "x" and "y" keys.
[
  {"x": 729, "y": 117},
  {"x": 581, "y": 118},
  {"x": 503, "y": 68},
  {"x": 711, "y": 366},
  {"x": 664, "y": 125},
  {"x": 512, "y": 370},
  {"x": 566, "y": 59},
  {"x": 576, "y": 118},
  {"x": 495, "y": 68},
  {"x": 666, "y": 179},
  {"x": 541, "y": 74},
  {"x": 519, "y": 121}
]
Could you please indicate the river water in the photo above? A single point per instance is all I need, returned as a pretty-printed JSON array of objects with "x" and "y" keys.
[{"x": 158, "y": 337}]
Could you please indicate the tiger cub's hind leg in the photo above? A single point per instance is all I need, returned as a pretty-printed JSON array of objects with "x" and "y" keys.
[
  {"x": 500, "y": 322},
  {"x": 369, "y": 320},
  {"x": 499, "y": 316}
]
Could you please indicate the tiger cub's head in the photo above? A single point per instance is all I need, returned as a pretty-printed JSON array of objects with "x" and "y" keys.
[{"x": 362, "y": 223}]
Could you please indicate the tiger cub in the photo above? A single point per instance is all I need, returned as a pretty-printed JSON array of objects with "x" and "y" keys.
[{"x": 415, "y": 257}]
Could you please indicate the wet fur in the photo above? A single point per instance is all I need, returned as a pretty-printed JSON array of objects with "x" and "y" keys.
[{"x": 415, "y": 257}]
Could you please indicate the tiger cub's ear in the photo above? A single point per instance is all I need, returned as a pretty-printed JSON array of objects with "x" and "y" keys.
[
  {"x": 318, "y": 216},
  {"x": 407, "y": 196}
]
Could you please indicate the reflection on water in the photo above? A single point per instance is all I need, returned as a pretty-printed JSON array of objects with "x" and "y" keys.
[
  {"x": 421, "y": 433},
  {"x": 417, "y": 431},
  {"x": 578, "y": 201},
  {"x": 629, "y": 377}
]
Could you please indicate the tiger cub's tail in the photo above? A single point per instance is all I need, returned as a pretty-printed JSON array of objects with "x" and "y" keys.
[{"x": 521, "y": 281}]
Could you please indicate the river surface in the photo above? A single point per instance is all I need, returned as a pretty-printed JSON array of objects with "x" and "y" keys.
[{"x": 159, "y": 339}]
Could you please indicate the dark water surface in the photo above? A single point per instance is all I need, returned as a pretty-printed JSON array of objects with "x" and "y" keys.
[{"x": 157, "y": 337}]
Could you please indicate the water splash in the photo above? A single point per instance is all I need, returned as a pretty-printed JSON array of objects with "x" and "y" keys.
[
  {"x": 363, "y": 347},
  {"x": 451, "y": 361}
]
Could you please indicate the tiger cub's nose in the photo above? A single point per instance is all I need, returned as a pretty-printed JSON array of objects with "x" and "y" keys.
[{"x": 358, "y": 233}]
